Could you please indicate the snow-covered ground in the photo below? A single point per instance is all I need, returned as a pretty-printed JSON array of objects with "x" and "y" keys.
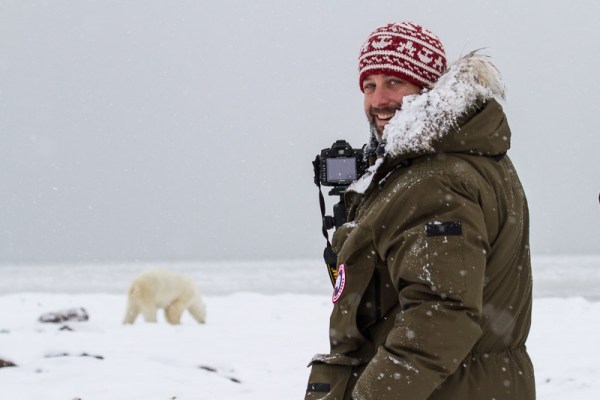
[{"x": 265, "y": 321}]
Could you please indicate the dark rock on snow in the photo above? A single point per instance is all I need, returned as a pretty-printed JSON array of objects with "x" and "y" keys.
[
  {"x": 72, "y": 314},
  {"x": 6, "y": 363}
]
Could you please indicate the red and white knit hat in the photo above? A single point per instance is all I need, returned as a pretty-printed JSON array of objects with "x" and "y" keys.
[{"x": 405, "y": 50}]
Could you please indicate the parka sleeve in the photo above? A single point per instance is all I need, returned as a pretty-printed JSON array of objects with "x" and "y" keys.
[{"x": 433, "y": 238}]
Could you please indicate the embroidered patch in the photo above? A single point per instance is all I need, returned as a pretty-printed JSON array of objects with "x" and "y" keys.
[
  {"x": 319, "y": 387},
  {"x": 340, "y": 283},
  {"x": 447, "y": 228}
]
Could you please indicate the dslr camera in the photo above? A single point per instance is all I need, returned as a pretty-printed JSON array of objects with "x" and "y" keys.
[{"x": 339, "y": 166}]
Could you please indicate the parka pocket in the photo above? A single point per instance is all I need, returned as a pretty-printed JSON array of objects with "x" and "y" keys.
[
  {"x": 332, "y": 377},
  {"x": 444, "y": 259},
  {"x": 433, "y": 259}
]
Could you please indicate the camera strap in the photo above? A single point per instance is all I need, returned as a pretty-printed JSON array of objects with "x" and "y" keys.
[{"x": 328, "y": 254}]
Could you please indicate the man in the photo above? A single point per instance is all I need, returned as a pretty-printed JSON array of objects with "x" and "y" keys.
[{"x": 433, "y": 295}]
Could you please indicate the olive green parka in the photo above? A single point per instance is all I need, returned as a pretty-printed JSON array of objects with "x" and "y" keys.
[{"x": 433, "y": 297}]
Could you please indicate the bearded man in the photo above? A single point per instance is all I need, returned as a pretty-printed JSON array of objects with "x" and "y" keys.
[{"x": 434, "y": 277}]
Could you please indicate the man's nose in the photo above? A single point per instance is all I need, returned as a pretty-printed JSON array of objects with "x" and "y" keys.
[{"x": 380, "y": 98}]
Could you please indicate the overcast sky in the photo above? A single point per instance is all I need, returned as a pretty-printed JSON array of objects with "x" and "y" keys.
[{"x": 185, "y": 130}]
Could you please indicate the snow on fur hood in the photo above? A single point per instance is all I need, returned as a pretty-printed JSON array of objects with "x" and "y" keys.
[{"x": 431, "y": 115}]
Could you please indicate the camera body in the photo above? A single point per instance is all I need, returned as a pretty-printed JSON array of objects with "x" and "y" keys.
[
  {"x": 340, "y": 165},
  {"x": 337, "y": 166}
]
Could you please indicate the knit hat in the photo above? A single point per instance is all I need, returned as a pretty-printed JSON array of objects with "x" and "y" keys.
[{"x": 405, "y": 50}]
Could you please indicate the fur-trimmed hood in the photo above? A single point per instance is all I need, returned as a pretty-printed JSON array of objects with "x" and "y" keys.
[
  {"x": 459, "y": 113},
  {"x": 428, "y": 117}
]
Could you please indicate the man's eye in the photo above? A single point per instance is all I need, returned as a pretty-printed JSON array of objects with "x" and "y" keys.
[
  {"x": 394, "y": 82},
  {"x": 368, "y": 88}
]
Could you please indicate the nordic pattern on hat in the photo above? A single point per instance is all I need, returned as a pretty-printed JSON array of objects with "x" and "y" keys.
[{"x": 406, "y": 50}]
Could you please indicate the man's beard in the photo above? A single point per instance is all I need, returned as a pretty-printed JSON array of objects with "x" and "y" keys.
[{"x": 376, "y": 132}]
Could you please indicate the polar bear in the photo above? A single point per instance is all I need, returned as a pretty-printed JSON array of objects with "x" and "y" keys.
[{"x": 162, "y": 288}]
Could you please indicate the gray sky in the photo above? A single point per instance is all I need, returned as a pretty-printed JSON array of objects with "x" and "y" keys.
[{"x": 163, "y": 130}]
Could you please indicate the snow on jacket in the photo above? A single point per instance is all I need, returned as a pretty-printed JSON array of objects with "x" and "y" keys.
[{"x": 433, "y": 298}]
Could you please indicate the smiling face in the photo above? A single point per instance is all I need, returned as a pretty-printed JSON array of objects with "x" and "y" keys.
[{"x": 383, "y": 97}]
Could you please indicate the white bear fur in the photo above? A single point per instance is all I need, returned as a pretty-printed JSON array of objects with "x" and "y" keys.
[{"x": 162, "y": 288}]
